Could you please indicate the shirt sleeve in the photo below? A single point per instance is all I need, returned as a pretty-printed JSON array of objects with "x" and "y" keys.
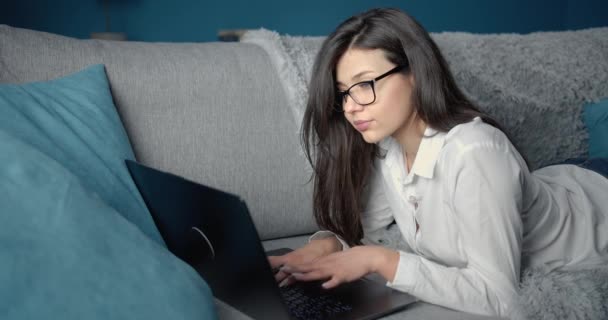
[{"x": 485, "y": 187}]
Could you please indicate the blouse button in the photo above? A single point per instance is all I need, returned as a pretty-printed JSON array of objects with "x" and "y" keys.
[{"x": 414, "y": 201}]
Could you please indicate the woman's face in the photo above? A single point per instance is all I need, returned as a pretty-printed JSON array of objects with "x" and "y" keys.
[{"x": 392, "y": 113}]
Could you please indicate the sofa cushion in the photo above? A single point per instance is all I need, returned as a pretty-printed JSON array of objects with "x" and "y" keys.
[
  {"x": 76, "y": 241},
  {"x": 596, "y": 120},
  {"x": 214, "y": 113}
]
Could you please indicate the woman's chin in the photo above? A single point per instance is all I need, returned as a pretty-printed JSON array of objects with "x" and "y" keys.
[{"x": 371, "y": 138}]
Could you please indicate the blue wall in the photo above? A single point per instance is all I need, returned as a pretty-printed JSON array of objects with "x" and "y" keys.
[
  {"x": 199, "y": 20},
  {"x": 581, "y": 14}
]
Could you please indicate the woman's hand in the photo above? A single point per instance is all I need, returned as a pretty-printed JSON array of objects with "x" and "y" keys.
[
  {"x": 347, "y": 266},
  {"x": 304, "y": 255}
]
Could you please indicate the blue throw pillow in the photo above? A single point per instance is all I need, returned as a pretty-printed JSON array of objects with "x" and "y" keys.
[
  {"x": 595, "y": 116},
  {"x": 70, "y": 250},
  {"x": 73, "y": 121}
]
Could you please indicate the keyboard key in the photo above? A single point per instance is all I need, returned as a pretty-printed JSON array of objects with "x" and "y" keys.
[{"x": 311, "y": 305}]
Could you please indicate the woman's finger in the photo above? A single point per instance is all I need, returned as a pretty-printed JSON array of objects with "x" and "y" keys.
[
  {"x": 310, "y": 276},
  {"x": 287, "y": 281},
  {"x": 280, "y": 276},
  {"x": 276, "y": 261},
  {"x": 332, "y": 283},
  {"x": 300, "y": 268}
]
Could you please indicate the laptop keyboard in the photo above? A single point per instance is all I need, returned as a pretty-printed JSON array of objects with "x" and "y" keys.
[{"x": 307, "y": 306}]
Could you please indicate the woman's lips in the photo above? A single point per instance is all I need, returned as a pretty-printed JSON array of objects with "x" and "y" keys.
[{"x": 362, "y": 125}]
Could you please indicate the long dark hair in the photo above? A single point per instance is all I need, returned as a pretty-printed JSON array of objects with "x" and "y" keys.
[{"x": 341, "y": 159}]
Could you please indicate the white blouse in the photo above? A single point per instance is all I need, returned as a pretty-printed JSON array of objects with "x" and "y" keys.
[{"x": 481, "y": 215}]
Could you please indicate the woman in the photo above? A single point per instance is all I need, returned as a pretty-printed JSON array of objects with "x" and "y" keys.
[{"x": 393, "y": 139}]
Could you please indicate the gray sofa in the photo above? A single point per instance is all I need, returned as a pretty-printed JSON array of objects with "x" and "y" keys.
[{"x": 215, "y": 113}]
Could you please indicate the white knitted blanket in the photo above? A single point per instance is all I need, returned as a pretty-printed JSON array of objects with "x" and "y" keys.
[{"x": 535, "y": 85}]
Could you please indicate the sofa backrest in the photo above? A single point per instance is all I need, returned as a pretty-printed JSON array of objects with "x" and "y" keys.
[{"x": 214, "y": 113}]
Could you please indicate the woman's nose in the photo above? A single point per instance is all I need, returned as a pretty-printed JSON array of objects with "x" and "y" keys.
[{"x": 350, "y": 105}]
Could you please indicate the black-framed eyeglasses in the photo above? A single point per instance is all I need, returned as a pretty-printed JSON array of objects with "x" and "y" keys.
[{"x": 364, "y": 92}]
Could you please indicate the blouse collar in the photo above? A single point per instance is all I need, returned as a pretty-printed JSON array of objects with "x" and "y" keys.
[{"x": 426, "y": 158}]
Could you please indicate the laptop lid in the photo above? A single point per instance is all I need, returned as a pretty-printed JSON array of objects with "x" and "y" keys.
[{"x": 212, "y": 231}]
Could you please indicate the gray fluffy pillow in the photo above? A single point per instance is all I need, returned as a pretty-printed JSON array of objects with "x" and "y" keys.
[{"x": 534, "y": 84}]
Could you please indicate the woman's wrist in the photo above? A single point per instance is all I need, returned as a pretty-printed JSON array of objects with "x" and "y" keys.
[
  {"x": 385, "y": 262},
  {"x": 327, "y": 245}
]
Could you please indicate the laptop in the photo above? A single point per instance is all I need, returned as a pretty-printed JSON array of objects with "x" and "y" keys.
[{"x": 213, "y": 232}]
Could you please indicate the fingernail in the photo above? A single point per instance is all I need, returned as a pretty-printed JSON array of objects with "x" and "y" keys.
[
  {"x": 284, "y": 282},
  {"x": 285, "y": 269}
]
